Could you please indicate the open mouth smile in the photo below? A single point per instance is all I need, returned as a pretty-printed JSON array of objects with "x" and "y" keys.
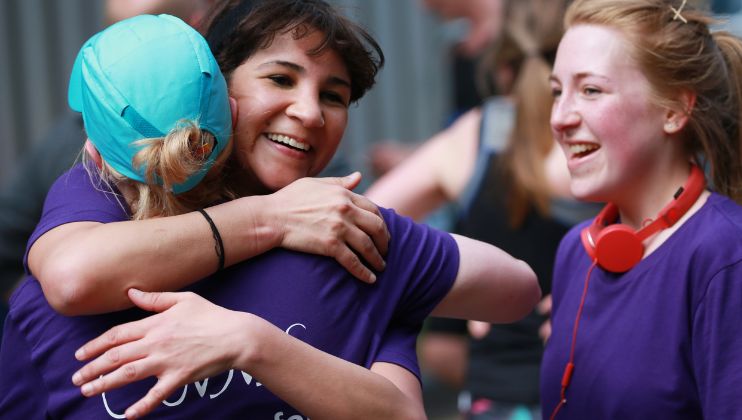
[
  {"x": 580, "y": 150},
  {"x": 289, "y": 142}
]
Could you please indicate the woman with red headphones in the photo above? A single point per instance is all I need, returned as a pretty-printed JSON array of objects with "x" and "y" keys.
[{"x": 647, "y": 297}]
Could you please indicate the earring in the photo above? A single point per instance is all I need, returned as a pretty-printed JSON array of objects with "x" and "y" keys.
[{"x": 671, "y": 126}]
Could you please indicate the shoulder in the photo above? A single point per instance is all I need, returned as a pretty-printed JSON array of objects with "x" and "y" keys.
[
  {"x": 422, "y": 260},
  {"x": 571, "y": 245},
  {"x": 730, "y": 211},
  {"x": 707, "y": 249},
  {"x": 75, "y": 197},
  {"x": 406, "y": 232},
  {"x": 571, "y": 257},
  {"x": 80, "y": 188},
  {"x": 714, "y": 233}
]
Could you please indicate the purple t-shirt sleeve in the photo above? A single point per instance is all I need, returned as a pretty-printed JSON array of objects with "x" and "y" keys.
[
  {"x": 74, "y": 197},
  {"x": 429, "y": 261},
  {"x": 399, "y": 346},
  {"x": 716, "y": 345},
  {"x": 424, "y": 261}
]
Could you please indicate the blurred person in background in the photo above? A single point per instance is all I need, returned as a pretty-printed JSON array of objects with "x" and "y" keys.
[
  {"x": 509, "y": 180},
  {"x": 475, "y": 24}
]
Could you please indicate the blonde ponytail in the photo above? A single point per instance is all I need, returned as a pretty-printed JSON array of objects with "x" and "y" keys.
[{"x": 169, "y": 161}]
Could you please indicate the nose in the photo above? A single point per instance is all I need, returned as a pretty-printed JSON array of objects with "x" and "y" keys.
[
  {"x": 564, "y": 115},
  {"x": 307, "y": 109}
]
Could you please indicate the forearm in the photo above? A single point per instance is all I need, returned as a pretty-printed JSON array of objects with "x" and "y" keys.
[
  {"x": 321, "y": 385},
  {"x": 86, "y": 268}
]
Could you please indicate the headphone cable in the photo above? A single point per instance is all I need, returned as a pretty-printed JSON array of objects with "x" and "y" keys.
[{"x": 567, "y": 375}]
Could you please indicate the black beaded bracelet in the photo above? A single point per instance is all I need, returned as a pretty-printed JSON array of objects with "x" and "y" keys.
[{"x": 219, "y": 245}]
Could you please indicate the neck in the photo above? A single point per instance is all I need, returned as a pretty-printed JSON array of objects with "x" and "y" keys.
[
  {"x": 679, "y": 203},
  {"x": 652, "y": 192}
]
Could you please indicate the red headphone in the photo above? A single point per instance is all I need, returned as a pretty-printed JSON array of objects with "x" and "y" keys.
[{"x": 617, "y": 247}]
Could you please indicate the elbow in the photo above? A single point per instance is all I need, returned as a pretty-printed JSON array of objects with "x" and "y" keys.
[
  {"x": 529, "y": 293},
  {"x": 408, "y": 411},
  {"x": 65, "y": 285}
]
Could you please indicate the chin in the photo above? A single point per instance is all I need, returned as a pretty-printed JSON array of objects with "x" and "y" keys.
[{"x": 583, "y": 191}]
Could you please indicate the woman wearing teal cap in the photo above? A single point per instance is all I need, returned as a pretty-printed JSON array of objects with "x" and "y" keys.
[
  {"x": 287, "y": 80},
  {"x": 157, "y": 133}
]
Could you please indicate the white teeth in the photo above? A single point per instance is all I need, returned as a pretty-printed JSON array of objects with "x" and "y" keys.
[
  {"x": 280, "y": 138},
  {"x": 576, "y": 149}
]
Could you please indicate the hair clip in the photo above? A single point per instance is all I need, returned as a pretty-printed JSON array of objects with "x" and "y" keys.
[
  {"x": 204, "y": 150},
  {"x": 677, "y": 12}
]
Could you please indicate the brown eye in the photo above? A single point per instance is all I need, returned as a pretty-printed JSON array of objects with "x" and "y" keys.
[
  {"x": 334, "y": 97},
  {"x": 281, "y": 80},
  {"x": 590, "y": 90}
]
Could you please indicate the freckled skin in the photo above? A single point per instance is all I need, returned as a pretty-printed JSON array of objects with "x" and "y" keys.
[{"x": 602, "y": 98}]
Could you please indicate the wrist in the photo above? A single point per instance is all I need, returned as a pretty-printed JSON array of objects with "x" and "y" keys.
[
  {"x": 267, "y": 222},
  {"x": 252, "y": 341},
  {"x": 249, "y": 228}
]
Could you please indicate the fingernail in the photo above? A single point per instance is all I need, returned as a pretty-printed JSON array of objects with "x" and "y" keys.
[
  {"x": 87, "y": 389},
  {"x": 80, "y": 354},
  {"x": 135, "y": 292},
  {"x": 131, "y": 414},
  {"x": 76, "y": 378}
]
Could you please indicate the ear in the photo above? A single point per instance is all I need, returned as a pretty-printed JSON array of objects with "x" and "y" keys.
[
  {"x": 93, "y": 153},
  {"x": 676, "y": 119},
  {"x": 233, "y": 109}
]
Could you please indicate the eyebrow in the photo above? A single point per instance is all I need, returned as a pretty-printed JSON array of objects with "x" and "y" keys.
[
  {"x": 580, "y": 76},
  {"x": 333, "y": 80}
]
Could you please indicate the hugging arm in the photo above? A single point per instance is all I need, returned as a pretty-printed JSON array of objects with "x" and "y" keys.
[
  {"x": 86, "y": 267},
  {"x": 220, "y": 339},
  {"x": 491, "y": 285}
]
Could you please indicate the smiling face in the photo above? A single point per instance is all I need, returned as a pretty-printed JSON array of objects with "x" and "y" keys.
[
  {"x": 603, "y": 118},
  {"x": 293, "y": 110}
]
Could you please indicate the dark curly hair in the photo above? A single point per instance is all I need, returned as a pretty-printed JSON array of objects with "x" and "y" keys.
[{"x": 236, "y": 29}]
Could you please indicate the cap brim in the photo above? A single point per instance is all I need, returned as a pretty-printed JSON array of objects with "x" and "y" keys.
[{"x": 74, "y": 92}]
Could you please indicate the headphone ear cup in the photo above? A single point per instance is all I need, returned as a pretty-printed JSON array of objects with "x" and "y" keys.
[{"x": 618, "y": 248}]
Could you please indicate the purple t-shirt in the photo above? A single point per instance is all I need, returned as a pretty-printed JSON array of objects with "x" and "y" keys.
[
  {"x": 661, "y": 341},
  {"x": 310, "y": 297}
]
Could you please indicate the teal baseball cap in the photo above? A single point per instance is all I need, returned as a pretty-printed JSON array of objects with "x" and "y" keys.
[{"x": 140, "y": 78}]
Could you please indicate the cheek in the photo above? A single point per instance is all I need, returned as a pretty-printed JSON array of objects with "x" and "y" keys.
[
  {"x": 628, "y": 131},
  {"x": 253, "y": 110},
  {"x": 334, "y": 129},
  {"x": 335, "y": 125}
]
